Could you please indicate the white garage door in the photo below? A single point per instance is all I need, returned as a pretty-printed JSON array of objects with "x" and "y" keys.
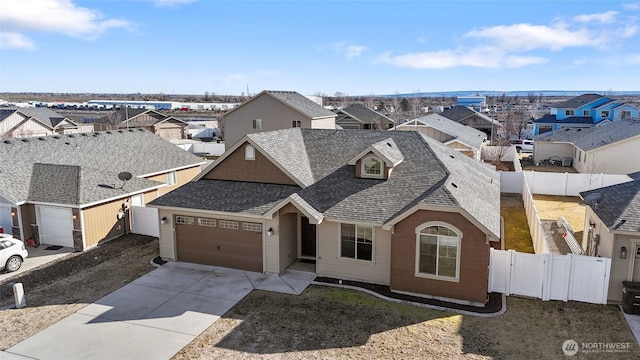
[
  {"x": 55, "y": 226},
  {"x": 5, "y": 218}
]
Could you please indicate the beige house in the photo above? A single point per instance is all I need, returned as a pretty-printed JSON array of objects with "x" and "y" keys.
[
  {"x": 33, "y": 122},
  {"x": 72, "y": 190},
  {"x": 167, "y": 127},
  {"x": 358, "y": 116},
  {"x": 352, "y": 204},
  {"x": 472, "y": 118},
  {"x": 462, "y": 138},
  {"x": 612, "y": 230},
  {"x": 611, "y": 148},
  {"x": 275, "y": 110}
]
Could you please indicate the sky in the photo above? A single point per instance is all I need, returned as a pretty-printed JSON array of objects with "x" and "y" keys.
[{"x": 350, "y": 47}]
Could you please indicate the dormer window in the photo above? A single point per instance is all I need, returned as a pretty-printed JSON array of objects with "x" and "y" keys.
[{"x": 372, "y": 167}]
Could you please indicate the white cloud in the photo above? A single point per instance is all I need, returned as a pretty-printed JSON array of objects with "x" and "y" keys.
[
  {"x": 604, "y": 18},
  {"x": 11, "y": 40},
  {"x": 631, "y": 6},
  {"x": 629, "y": 31},
  {"x": 234, "y": 77},
  {"x": 57, "y": 16},
  {"x": 354, "y": 51},
  {"x": 171, "y": 3}
]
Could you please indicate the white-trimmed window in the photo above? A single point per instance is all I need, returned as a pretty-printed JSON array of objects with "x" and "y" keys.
[
  {"x": 207, "y": 222},
  {"x": 625, "y": 114},
  {"x": 171, "y": 178},
  {"x": 228, "y": 224},
  {"x": 438, "y": 251},
  {"x": 569, "y": 112},
  {"x": 249, "y": 153},
  {"x": 605, "y": 113},
  {"x": 356, "y": 242},
  {"x": 585, "y": 113},
  {"x": 184, "y": 220},
  {"x": 255, "y": 227},
  {"x": 256, "y": 124},
  {"x": 296, "y": 123},
  {"x": 372, "y": 167}
]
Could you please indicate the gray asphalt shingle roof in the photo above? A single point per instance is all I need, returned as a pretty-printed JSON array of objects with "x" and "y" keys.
[
  {"x": 42, "y": 114},
  {"x": 619, "y": 208},
  {"x": 430, "y": 174},
  {"x": 458, "y": 113},
  {"x": 44, "y": 169},
  {"x": 364, "y": 115},
  {"x": 463, "y": 133},
  {"x": 301, "y": 103},
  {"x": 594, "y": 137},
  {"x": 577, "y": 101},
  {"x": 552, "y": 119}
]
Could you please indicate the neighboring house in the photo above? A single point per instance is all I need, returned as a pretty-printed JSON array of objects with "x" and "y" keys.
[
  {"x": 472, "y": 118},
  {"x": 275, "y": 110},
  {"x": 462, "y": 138},
  {"x": 167, "y": 127},
  {"x": 584, "y": 111},
  {"x": 610, "y": 149},
  {"x": 28, "y": 122},
  {"x": 612, "y": 230},
  {"x": 65, "y": 189},
  {"x": 358, "y": 116},
  {"x": 392, "y": 208}
]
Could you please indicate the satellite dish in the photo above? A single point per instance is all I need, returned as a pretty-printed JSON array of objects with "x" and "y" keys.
[
  {"x": 592, "y": 199},
  {"x": 125, "y": 176}
]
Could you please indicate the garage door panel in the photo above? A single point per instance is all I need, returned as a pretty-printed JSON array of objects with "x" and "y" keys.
[
  {"x": 56, "y": 226},
  {"x": 236, "y": 249}
]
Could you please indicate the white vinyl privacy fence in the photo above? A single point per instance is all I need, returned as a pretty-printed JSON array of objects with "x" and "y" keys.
[
  {"x": 144, "y": 221},
  {"x": 563, "y": 184},
  {"x": 549, "y": 276}
]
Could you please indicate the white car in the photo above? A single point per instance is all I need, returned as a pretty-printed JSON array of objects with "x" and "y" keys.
[
  {"x": 12, "y": 253},
  {"x": 523, "y": 145}
]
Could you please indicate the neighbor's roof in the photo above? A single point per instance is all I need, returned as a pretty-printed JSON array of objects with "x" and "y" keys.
[
  {"x": 79, "y": 169},
  {"x": 363, "y": 114},
  {"x": 463, "y": 133},
  {"x": 42, "y": 114},
  {"x": 146, "y": 118},
  {"x": 619, "y": 208},
  {"x": 594, "y": 137},
  {"x": 552, "y": 119},
  {"x": 431, "y": 174},
  {"x": 294, "y": 100},
  {"x": 577, "y": 101},
  {"x": 459, "y": 113}
]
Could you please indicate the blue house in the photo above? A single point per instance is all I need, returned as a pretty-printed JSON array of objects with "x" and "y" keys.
[{"x": 584, "y": 111}]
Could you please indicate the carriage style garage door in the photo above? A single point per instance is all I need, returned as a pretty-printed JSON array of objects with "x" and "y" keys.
[
  {"x": 55, "y": 226},
  {"x": 233, "y": 244}
]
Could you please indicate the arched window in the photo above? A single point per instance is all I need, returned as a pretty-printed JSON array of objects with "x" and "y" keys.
[
  {"x": 249, "y": 153},
  {"x": 438, "y": 251},
  {"x": 372, "y": 167}
]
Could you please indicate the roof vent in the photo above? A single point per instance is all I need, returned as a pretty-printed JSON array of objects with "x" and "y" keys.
[
  {"x": 454, "y": 185},
  {"x": 579, "y": 129},
  {"x": 24, "y": 140},
  {"x": 453, "y": 157},
  {"x": 67, "y": 143},
  {"x": 41, "y": 139},
  {"x": 130, "y": 130},
  {"x": 389, "y": 145},
  {"x": 108, "y": 132},
  {"x": 84, "y": 134},
  {"x": 56, "y": 137},
  {"x": 120, "y": 131},
  {"x": 7, "y": 142},
  {"x": 71, "y": 136}
]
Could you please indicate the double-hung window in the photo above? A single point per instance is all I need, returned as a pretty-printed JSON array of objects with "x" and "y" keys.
[
  {"x": 257, "y": 124},
  {"x": 356, "y": 242}
]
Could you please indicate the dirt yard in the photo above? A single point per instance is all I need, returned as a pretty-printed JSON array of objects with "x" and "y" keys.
[
  {"x": 58, "y": 289},
  {"x": 331, "y": 323},
  {"x": 516, "y": 228},
  {"x": 552, "y": 207}
]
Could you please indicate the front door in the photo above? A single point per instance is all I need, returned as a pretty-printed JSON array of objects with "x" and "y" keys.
[{"x": 307, "y": 238}]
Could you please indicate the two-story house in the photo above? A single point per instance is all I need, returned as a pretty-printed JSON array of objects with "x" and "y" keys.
[
  {"x": 358, "y": 116},
  {"x": 584, "y": 111},
  {"x": 275, "y": 110},
  {"x": 27, "y": 122}
]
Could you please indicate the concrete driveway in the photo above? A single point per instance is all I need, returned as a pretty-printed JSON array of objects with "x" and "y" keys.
[
  {"x": 154, "y": 316},
  {"x": 37, "y": 256}
]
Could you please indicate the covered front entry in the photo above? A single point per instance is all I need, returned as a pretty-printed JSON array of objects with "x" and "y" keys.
[
  {"x": 227, "y": 243},
  {"x": 55, "y": 225},
  {"x": 307, "y": 239}
]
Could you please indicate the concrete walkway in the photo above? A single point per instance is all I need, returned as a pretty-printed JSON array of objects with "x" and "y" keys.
[
  {"x": 154, "y": 316},
  {"x": 634, "y": 324}
]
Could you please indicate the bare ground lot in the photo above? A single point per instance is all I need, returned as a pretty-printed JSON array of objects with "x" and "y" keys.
[
  {"x": 323, "y": 322},
  {"x": 516, "y": 227}
]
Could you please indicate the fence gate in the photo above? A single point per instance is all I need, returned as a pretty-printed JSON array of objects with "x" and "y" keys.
[
  {"x": 549, "y": 276},
  {"x": 144, "y": 221}
]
